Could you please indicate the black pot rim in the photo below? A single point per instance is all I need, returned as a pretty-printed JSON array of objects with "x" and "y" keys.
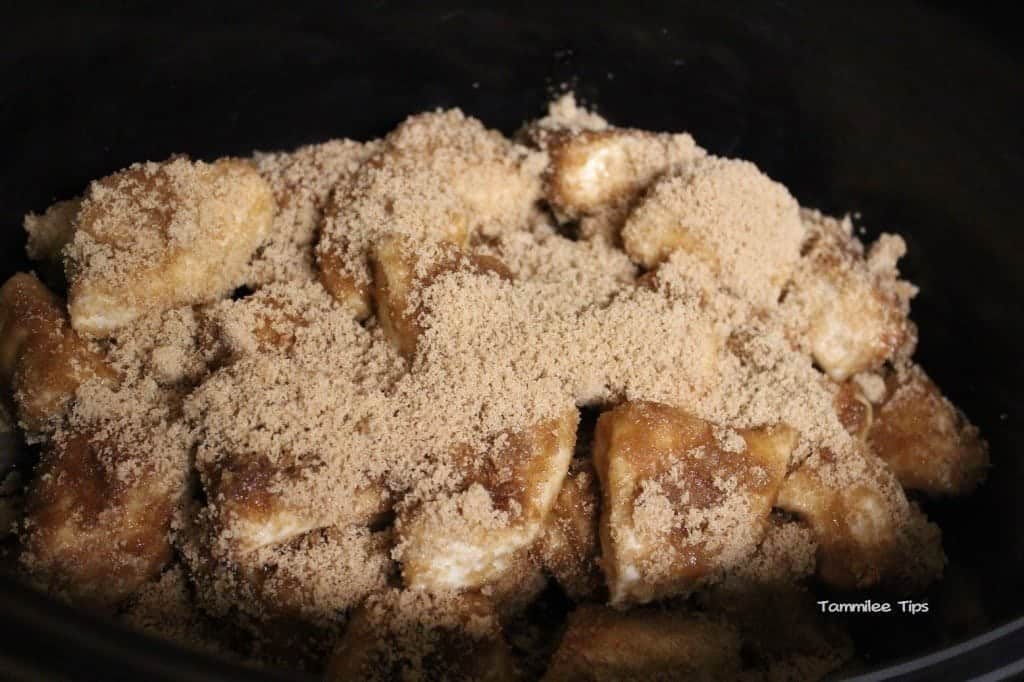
[{"x": 995, "y": 655}]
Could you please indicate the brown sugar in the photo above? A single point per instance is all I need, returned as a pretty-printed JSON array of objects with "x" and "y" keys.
[
  {"x": 303, "y": 181},
  {"x": 341, "y": 385},
  {"x": 745, "y": 226},
  {"x": 166, "y": 609},
  {"x": 415, "y": 635}
]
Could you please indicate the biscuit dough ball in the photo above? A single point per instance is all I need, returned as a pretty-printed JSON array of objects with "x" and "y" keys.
[
  {"x": 681, "y": 498},
  {"x": 42, "y": 360},
  {"x": 868, "y": 533},
  {"x": 158, "y": 235},
  {"x": 744, "y": 225},
  {"x": 471, "y": 538},
  {"x": 404, "y": 635},
  {"x": 847, "y": 309},
  {"x": 929, "y": 444}
]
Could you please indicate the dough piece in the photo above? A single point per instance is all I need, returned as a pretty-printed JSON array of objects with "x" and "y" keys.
[
  {"x": 867, "y": 532},
  {"x": 48, "y": 234},
  {"x": 682, "y": 499},
  {"x": 569, "y": 546},
  {"x": 92, "y": 532},
  {"x": 399, "y": 272},
  {"x": 596, "y": 171},
  {"x": 847, "y": 310},
  {"x": 786, "y": 556},
  {"x": 248, "y": 511},
  {"x": 469, "y": 539},
  {"x": 929, "y": 444},
  {"x": 854, "y": 410},
  {"x": 158, "y": 235},
  {"x": 282, "y": 447},
  {"x": 418, "y": 636},
  {"x": 438, "y": 177},
  {"x": 604, "y": 645},
  {"x": 725, "y": 212},
  {"x": 595, "y": 175},
  {"x": 498, "y": 181},
  {"x": 42, "y": 359}
]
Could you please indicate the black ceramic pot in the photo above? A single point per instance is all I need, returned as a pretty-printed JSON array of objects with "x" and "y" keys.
[{"x": 910, "y": 115}]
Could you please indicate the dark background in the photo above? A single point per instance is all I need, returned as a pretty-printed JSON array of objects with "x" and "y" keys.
[{"x": 909, "y": 114}]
